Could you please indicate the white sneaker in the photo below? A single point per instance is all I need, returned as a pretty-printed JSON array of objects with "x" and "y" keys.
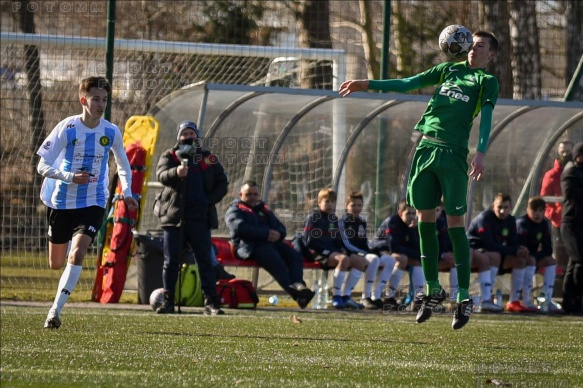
[{"x": 488, "y": 306}]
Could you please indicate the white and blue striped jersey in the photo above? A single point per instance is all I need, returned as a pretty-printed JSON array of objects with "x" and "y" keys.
[{"x": 72, "y": 147}]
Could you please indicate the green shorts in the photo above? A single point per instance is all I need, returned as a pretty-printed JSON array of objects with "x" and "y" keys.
[{"x": 438, "y": 170}]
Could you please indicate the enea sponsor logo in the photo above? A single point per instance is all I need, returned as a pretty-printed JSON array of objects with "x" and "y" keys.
[{"x": 453, "y": 91}]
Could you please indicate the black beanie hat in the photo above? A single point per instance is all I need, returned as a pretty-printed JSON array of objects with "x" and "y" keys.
[{"x": 577, "y": 150}]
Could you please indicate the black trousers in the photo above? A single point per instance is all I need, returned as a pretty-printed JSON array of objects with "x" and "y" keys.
[
  {"x": 573, "y": 281},
  {"x": 198, "y": 235}
]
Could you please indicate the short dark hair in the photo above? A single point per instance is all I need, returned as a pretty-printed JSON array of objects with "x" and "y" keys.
[
  {"x": 491, "y": 37},
  {"x": 94, "y": 82},
  {"x": 536, "y": 203},
  {"x": 250, "y": 183},
  {"x": 503, "y": 197},
  {"x": 354, "y": 195}
]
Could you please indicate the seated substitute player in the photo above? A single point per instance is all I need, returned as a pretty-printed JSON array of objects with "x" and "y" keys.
[
  {"x": 259, "y": 235},
  {"x": 354, "y": 235},
  {"x": 493, "y": 232},
  {"x": 322, "y": 236},
  {"x": 534, "y": 233},
  {"x": 74, "y": 163},
  {"x": 396, "y": 238}
]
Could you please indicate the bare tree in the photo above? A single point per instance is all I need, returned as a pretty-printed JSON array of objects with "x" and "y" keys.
[
  {"x": 574, "y": 44},
  {"x": 313, "y": 19},
  {"x": 526, "y": 63},
  {"x": 497, "y": 20},
  {"x": 33, "y": 86}
]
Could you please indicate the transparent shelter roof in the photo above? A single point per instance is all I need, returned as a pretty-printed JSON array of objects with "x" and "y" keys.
[{"x": 294, "y": 142}]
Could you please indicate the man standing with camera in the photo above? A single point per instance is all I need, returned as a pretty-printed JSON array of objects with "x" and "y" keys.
[{"x": 194, "y": 182}]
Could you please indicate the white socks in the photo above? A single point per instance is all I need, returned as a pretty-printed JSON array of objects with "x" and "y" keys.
[
  {"x": 394, "y": 281},
  {"x": 549, "y": 280},
  {"x": 418, "y": 280},
  {"x": 353, "y": 278},
  {"x": 453, "y": 286},
  {"x": 517, "y": 279},
  {"x": 337, "y": 281},
  {"x": 387, "y": 263},
  {"x": 67, "y": 283},
  {"x": 485, "y": 285},
  {"x": 493, "y": 274},
  {"x": 370, "y": 274},
  {"x": 529, "y": 271}
]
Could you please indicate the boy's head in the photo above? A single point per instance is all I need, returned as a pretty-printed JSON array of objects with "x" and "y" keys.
[
  {"x": 490, "y": 37},
  {"x": 354, "y": 203},
  {"x": 93, "y": 82},
  {"x": 93, "y": 92},
  {"x": 536, "y": 209},
  {"x": 502, "y": 205},
  {"x": 406, "y": 213},
  {"x": 327, "y": 200}
]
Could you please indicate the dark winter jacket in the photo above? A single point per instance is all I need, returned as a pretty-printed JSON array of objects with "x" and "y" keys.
[
  {"x": 321, "y": 233},
  {"x": 354, "y": 233},
  {"x": 535, "y": 236},
  {"x": 493, "y": 234},
  {"x": 249, "y": 225},
  {"x": 572, "y": 186},
  {"x": 397, "y": 237},
  {"x": 203, "y": 169}
]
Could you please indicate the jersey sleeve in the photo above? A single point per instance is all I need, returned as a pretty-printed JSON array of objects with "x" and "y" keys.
[
  {"x": 124, "y": 170},
  {"x": 54, "y": 143},
  {"x": 490, "y": 90}
]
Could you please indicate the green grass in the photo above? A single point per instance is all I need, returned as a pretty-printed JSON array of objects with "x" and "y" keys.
[{"x": 130, "y": 346}]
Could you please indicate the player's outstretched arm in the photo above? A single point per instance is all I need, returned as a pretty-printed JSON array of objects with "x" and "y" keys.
[{"x": 355, "y": 85}]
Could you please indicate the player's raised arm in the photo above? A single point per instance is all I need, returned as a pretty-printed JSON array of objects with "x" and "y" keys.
[{"x": 355, "y": 85}]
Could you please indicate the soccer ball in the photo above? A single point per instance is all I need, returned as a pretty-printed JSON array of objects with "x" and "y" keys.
[
  {"x": 273, "y": 300},
  {"x": 156, "y": 298},
  {"x": 455, "y": 41}
]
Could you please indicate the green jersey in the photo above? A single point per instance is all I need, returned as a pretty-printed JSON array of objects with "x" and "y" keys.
[{"x": 457, "y": 100}]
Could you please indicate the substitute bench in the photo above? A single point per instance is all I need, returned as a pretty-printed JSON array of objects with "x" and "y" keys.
[{"x": 227, "y": 257}]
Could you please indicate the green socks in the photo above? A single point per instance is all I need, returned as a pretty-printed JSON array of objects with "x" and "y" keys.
[
  {"x": 461, "y": 252},
  {"x": 429, "y": 255}
]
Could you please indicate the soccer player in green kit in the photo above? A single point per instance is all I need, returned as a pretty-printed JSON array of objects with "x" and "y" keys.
[{"x": 440, "y": 163}]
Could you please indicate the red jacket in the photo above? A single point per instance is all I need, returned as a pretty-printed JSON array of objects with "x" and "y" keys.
[{"x": 551, "y": 186}]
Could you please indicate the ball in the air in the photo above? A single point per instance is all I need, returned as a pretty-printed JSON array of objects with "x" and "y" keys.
[
  {"x": 455, "y": 41},
  {"x": 156, "y": 298},
  {"x": 273, "y": 300}
]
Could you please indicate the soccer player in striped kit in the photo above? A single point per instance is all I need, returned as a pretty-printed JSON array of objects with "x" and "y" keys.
[{"x": 74, "y": 163}]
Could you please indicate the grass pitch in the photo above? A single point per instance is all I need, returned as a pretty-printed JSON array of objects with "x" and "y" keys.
[{"x": 130, "y": 346}]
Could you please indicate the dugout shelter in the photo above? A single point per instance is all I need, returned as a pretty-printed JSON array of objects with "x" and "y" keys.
[{"x": 294, "y": 142}]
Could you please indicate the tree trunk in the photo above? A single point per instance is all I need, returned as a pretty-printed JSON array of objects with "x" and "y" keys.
[
  {"x": 574, "y": 45},
  {"x": 497, "y": 19},
  {"x": 526, "y": 59},
  {"x": 33, "y": 88},
  {"x": 313, "y": 18}
]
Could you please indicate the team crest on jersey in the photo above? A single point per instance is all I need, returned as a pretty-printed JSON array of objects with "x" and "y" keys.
[
  {"x": 361, "y": 231},
  {"x": 47, "y": 145},
  {"x": 75, "y": 142},
  {"x": 104, "y": 141}
]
